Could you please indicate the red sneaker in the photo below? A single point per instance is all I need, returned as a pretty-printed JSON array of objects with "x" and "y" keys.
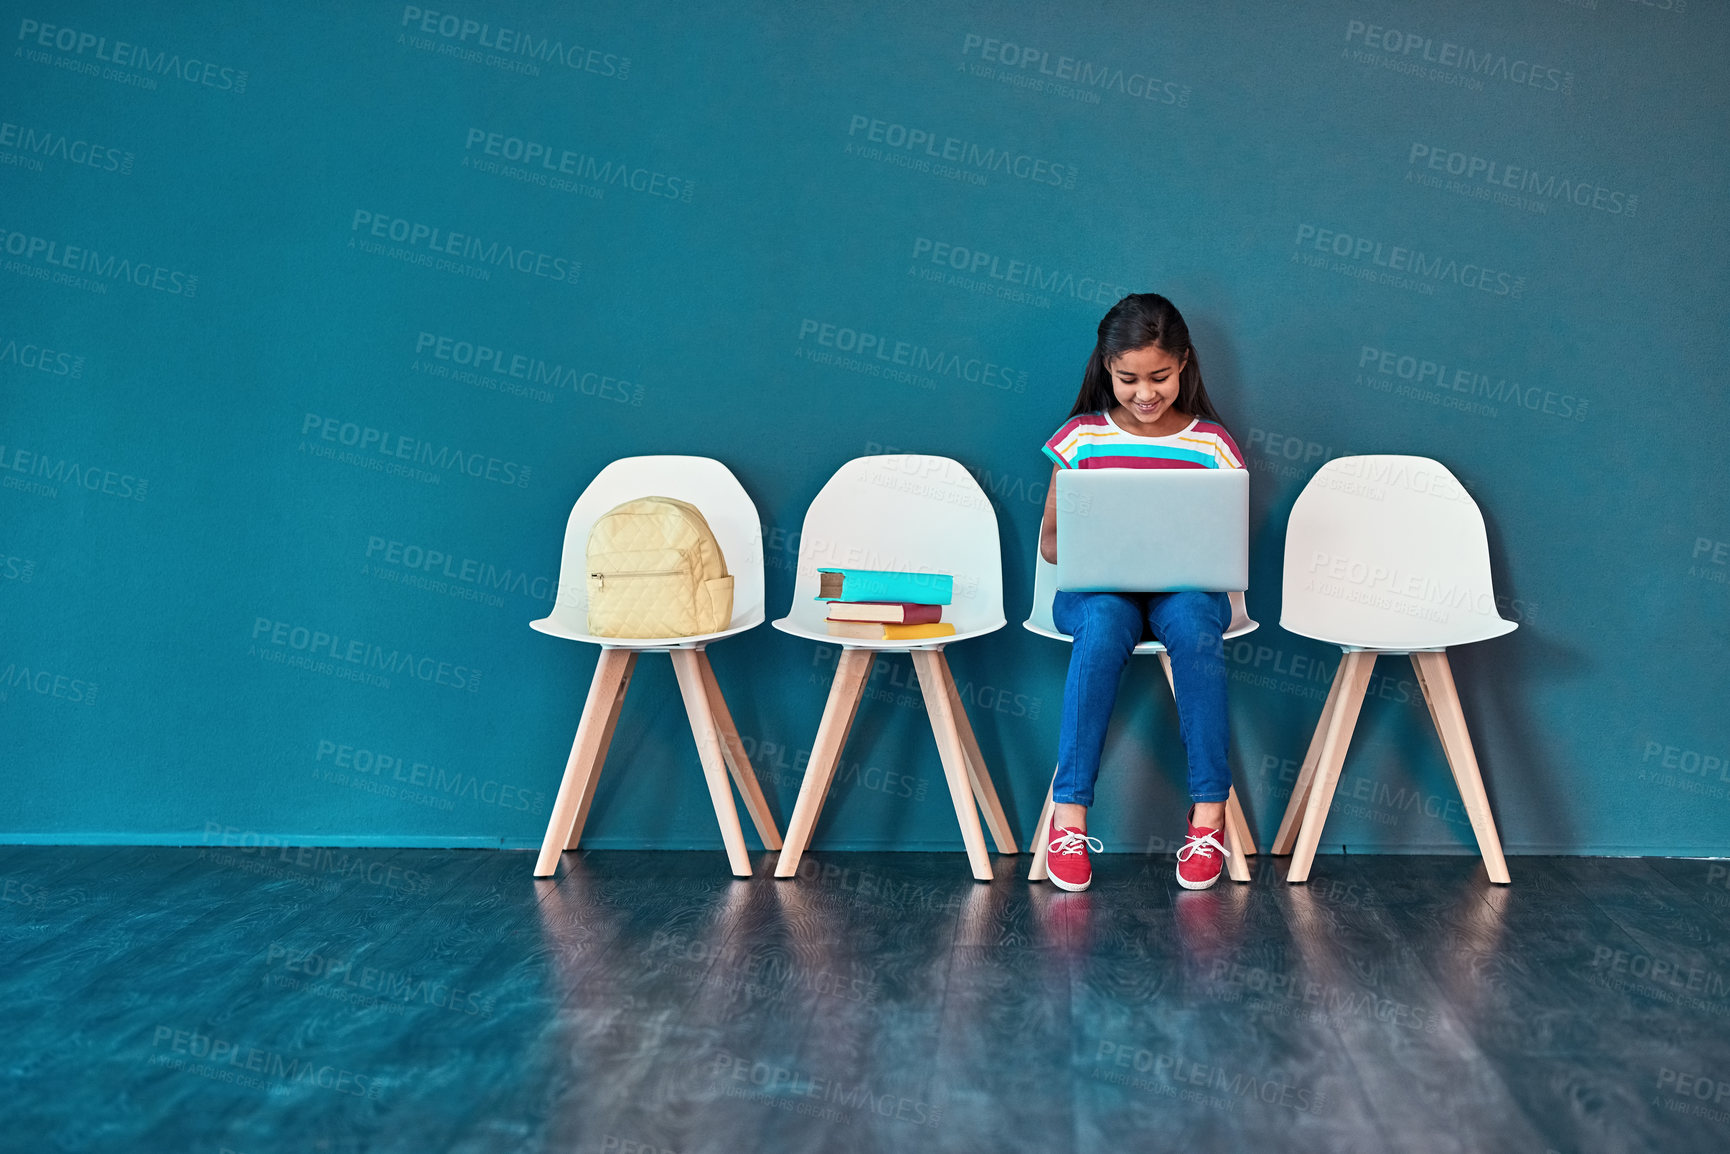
[
  {"x": 1202, "y": 857},
  {"x": 1066, "y": 860}
]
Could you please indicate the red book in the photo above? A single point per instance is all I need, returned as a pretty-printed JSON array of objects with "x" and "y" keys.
[{"x": 890, "y": 612}]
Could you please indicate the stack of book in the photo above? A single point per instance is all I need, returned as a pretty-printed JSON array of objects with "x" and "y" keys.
[{"x": 881, "y": 605}]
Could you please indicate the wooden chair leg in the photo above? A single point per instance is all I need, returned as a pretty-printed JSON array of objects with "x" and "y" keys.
[
  {"x": 583, "y": 767},
  {"x": 942, "y": 715},
  {"x": 1300, "y": 792},
  {"x": 737, "y": 762},
  {"x": 977, "y": 775},
  {"x": 1042, "y": 835},
  {"x": 852, "y": 669},
  {"x": 1238, "y": 824},
  {"x": 704, "y": 729},
  {"x": 1436, "y": 679},
  {"x": 1237, "y": 843},
  {"x": 600, "y": 755},
  {"x": 1358, "y": 666}
]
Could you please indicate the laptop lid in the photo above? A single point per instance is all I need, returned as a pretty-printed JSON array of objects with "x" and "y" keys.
[{"x": 1152, "y": 530}]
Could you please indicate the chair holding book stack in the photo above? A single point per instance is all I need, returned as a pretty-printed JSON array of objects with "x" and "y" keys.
[{"x": 899, "y": 554}]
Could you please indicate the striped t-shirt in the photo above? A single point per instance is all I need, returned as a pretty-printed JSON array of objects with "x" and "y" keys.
[{"x": 1093, "y": 441}]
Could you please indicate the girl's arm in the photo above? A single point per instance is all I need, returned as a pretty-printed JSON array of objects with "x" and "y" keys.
[{"x": 1048, "y": 523}]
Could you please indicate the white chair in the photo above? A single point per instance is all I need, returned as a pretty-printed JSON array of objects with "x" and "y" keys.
[
  {"x": 916, "y": 514},
  {"x": 713, "y": 489},
  {"x": 1238, "y": 838},
  {"x": 1386, "y": 555}
]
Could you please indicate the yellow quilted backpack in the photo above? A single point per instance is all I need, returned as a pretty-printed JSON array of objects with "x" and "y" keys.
[{"x": 656, "y": 570}]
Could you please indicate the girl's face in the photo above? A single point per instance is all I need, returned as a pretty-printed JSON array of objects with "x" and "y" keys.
[{"x": 1144, "y": 382}]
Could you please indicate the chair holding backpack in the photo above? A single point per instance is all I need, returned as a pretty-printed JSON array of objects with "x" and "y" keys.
[{"x": 645, "y": 571}]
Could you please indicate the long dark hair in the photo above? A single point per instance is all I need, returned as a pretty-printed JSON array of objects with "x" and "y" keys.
[{"x": 1136, "y": 321}]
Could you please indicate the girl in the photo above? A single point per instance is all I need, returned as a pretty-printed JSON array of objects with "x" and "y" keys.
[{"x": 1141, "y": 406}]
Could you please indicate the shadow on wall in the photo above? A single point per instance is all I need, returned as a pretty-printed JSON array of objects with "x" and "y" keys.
[{"x": 1496, "y": 681}]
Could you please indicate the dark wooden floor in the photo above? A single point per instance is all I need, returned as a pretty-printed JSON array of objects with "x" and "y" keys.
[{"x": 413, "y": 1000}]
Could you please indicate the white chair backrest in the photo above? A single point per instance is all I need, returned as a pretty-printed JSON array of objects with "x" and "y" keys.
[
  {"x": 1388, "y": 552},
  {"x": 910, "y": 513},
  {"x": 701, "y": 481},
  {"x": 1045, "y": 592}
]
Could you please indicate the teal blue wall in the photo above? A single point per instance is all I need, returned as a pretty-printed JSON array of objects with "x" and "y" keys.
[{"x": 233, "y": 232}]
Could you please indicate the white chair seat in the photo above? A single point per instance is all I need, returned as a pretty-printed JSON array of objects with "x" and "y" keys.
[
  {"x": 553, "y": 627},
  {"x": 1480, "y": 629},
  {"x": 1240, "y": 625}
]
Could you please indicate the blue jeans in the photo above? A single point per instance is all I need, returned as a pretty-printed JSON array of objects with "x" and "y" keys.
[{"x": 1106, "y": 626}]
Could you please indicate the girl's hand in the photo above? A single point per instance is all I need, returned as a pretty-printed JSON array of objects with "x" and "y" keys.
[{"x": 1048, "y": 523}]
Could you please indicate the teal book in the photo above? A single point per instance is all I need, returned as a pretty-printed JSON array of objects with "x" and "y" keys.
[{"x": 884, "y": 585}]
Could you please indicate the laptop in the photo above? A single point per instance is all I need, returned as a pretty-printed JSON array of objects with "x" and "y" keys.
[{"x": 1152, "y": 530}]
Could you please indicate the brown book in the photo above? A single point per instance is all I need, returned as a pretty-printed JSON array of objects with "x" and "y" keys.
[
  {"x": 878, "y": 631},
  {"x": 893, "y": 612}
]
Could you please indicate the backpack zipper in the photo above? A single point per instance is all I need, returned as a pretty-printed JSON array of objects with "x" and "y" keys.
[{"x": 602, "y": 577}]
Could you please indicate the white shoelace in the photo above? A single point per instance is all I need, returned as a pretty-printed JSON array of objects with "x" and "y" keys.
[
  {"x": 1072, "y": 842},
  {"x": 1193, "y": 845}
]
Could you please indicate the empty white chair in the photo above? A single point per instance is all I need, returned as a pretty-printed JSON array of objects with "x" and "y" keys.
[
  {"x": 1238, "y": 838},
  {"x": 909, "y": 513},
  {"x": 732, "y": 517},
  {"x": 1386, "y": 554}
]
